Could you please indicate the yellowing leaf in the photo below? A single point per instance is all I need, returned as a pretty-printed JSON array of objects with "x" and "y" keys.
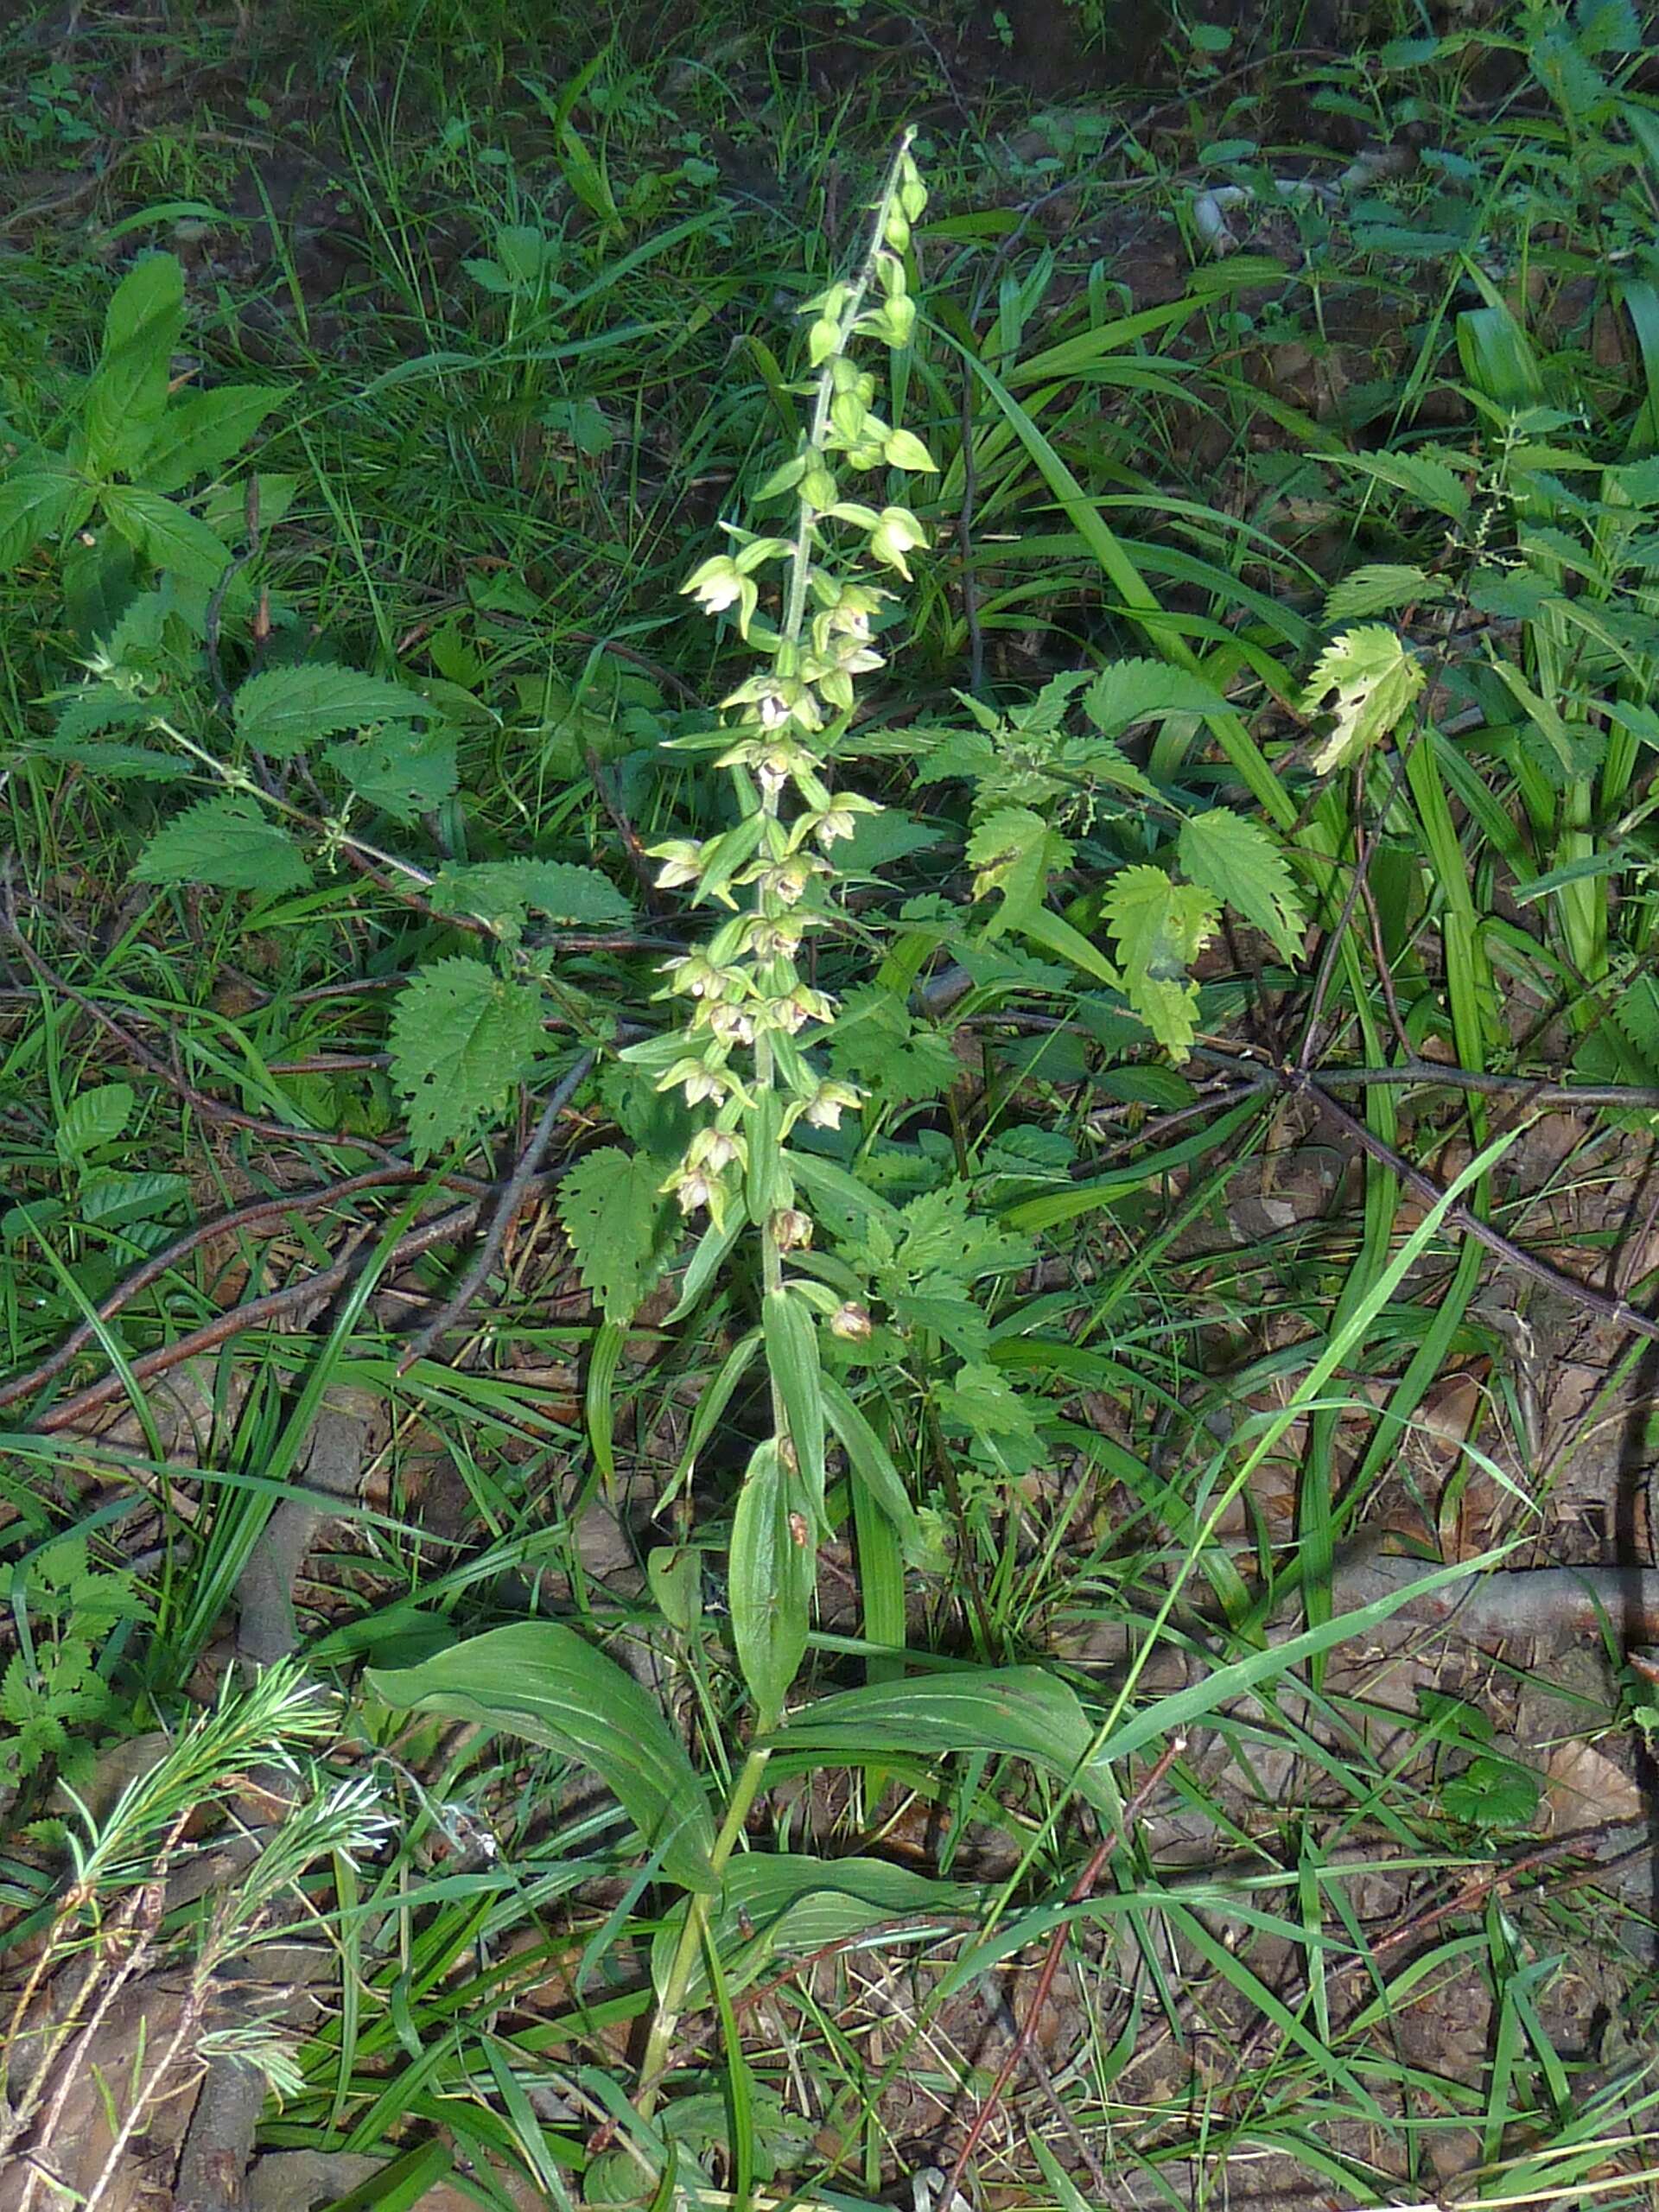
[
  {"x": 1375, "y": 677},
  {"x": 1161, "y": 928}
]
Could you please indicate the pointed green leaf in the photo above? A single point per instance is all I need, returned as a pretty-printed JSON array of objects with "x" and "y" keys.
[
  {"x": 126, "y": 397},
  {"x": 200, "y": 433},
  {"x": 461, "y": 1037},
  {"x": 225, "y": 841},
  {"x": 34, "y": 504},
  {"x": 542, "y": 1681},
  {"x": 166, "y": 535},
  {"x": 280, "y": 711},
  {"x": 1237, "y": 860}
]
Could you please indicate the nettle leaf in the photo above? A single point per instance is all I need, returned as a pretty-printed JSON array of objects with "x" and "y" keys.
[
  {"x": 34, "y": 504},
  {"x": 542, "y": 1681},
  {"x": 228, "y": 843},
  {"x": 1130, "y": 691},
  {"x": 878, "y": 1043},
  {"x": 1381, "y": 588},
  {"x": 166, "y": 535},
  {"x": 1015, "y": 852},
  {"x": 461, "y": 1037},
  {"x": 208, "y": 429},
  {"x": 280, "y": 711},
  {"x": 1421, "y": 475},
  {"x": 981, "y": 1404},
  {"x": 619, "y": 1226},
  {"x": 1161, "y": 928},
  {"x": 405, "y": 772},
  {"x": 960, "y": 755},
  {"x": 1237, "y": 860},
  {"x": 126, "y": 397},
  {"x": 503, "y": 892},
  {"x": 101, "y": 706},
  {"x": 139, "y": 763},
  {"x": 1375, "y": 676}
]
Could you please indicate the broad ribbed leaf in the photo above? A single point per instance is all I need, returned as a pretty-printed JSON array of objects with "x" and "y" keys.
[
  {"x": 773, "y": 1568},
  {"x": 1019, "y": 1711},
  {"x": 790, "y": 1904},
  {"x": 793, "y": 1359},
  {"x": 542, "y": 1681}
]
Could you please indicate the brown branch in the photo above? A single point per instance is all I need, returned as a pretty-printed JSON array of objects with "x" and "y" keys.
[
  {"x": 254, "y": 1313},
  {"x": 501, "y": 1221},
  {"x": 1618, "y": 1311},
  {"x": 210, "y": 1109},
  {"x": 1638, "y": 1097},
  {"x": 255, "y": 1215}
]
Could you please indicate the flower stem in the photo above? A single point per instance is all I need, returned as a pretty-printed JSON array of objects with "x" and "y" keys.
[{"x": 671, "y": 2003}]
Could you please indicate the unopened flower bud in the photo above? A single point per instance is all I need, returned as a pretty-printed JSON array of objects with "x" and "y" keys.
[
  {"x": 852, "y": 1323},
  {"x": 792, "y": 1228}
]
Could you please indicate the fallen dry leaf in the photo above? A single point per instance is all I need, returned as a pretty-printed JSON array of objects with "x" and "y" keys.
[{"x": 1584, "y": 1788}]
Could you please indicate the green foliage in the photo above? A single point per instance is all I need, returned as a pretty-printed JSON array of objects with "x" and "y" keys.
[
  {"x": 612, "y": 1205},
  {"x": 968, "y": 1372},
  {"x": 462, "y": 1038},
  {"x": 227, "y": 841},
  {"x": 53, "y": 1694},
  {"x": 542, "y": 1681}
]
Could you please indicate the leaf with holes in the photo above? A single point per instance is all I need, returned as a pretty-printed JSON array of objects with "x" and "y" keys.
[
  {"x": 503, "y": 892},
  {"x": 619, "y": 1224},
  {"x": 1374, "y": 676},
  {"x": 1161, "y": 928},
  {"x": 280, "y": 711}
]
